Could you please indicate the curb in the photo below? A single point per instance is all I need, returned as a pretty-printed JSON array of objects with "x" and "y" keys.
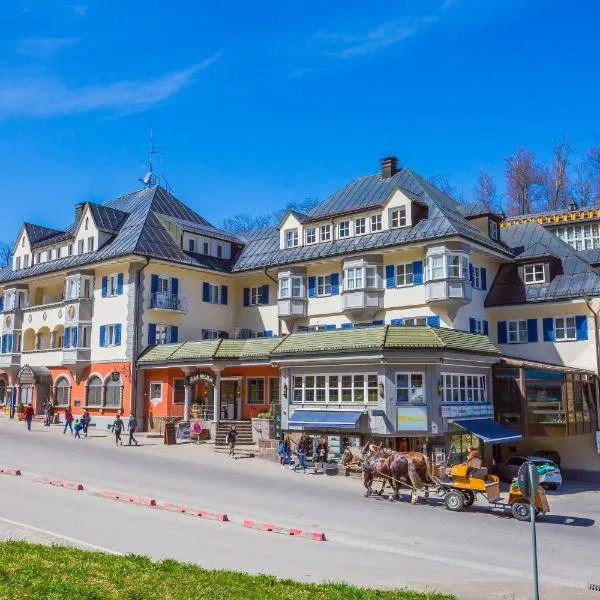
[
  {"x": 126, "y": 498},
  {"x": 317, "y": 536},
  {"x": 186, "y": 510},
  {"x": 60, "y": 483},
  {"x": 10, "y": 471}
]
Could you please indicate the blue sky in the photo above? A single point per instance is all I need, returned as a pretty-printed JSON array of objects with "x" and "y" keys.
[{"x": 255, "y": 104}]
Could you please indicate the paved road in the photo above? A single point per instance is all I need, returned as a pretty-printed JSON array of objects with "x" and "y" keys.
[{"x": 373, "y": 542}]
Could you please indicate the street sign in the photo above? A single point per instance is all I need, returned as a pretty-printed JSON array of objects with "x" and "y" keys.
[
  {"x": 184, "y": 431},
  {"x": 169, "y": 437}
]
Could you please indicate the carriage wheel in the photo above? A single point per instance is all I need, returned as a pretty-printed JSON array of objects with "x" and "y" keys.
[
  {"x": 454, "y": 501},
  {"x": 469, "y": 497},
  {"x": 521, "y": 510}
]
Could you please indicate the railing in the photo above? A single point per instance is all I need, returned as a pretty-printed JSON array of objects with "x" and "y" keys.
[{"x": 165, "y": 301}]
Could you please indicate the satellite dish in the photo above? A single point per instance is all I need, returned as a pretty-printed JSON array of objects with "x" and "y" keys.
[{"x": 147, "y": 178}]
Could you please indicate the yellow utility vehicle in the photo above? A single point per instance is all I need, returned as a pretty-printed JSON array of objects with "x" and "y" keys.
[{"x": 462, "y": 485}]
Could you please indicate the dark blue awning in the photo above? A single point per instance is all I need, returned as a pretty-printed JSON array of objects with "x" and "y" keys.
[
  {"x": 324, "y": 419},
  {"x": 488, "y": 431}
]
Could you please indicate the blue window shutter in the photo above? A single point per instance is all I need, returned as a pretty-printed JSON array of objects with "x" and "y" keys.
[
  {"x": 151, "y": 334},
  {"x": 532, "y": 332},
  {"x": 483, "y": 279},
  {"x": 335, "y": 284},
  {"x": 246, "y": 296},
  {"x": 265, "y": 294},
  {"x": 417, "y": 272},
  {"x": 397, "y": 322},
  {"x": 9, "y": 343},
  {"x": 390, "y": 276},
  {"x": 103, "y": 336},
  {"x": 120, "y": 284},
  {"x": 472, "y": 325},
  {"x": 486, "y": 328},
  {"x": 312, "y": 287},
  {"x": 433, "y": 321},
  {"x": 581, "y": 327},
  {"x": 174, "y": 334},
  {"x": 268, "y": 333},
  {"x": 502, "y": 332},
  {"x": 329, "y": 327},
  {"x": 74, "y": 337},
  {"x": 548, "y": 329},
  {"x": 204, "y": 334},
  {"x": 118, "y": 335},
  {"x": 1, "y": 303},
  {"x": 346, "y": 325},
  {"x": 104, "y": 286},
  {"x": 3, "y": 344},
  {"x": 154, "y": 284},
  {"x": 471, "y": 274},
  {"x": 205, "y": 292},
  {"x": 223, "y": 294},
  {"x": 378, "y": 322},
  {"x": 66, "y": 337},
  {"x": 174, "y": 286}
]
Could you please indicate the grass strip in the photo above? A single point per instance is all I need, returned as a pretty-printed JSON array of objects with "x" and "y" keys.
[{"x": 36, "y": 572}]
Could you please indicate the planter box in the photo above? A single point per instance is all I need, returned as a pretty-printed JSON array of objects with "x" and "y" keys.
[{"x": 262, "y": 430}]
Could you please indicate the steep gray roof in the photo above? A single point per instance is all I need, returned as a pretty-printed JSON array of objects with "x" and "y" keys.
[
  {"x": 591, "y": 256},
  {"x": 575, "y": 277},
  {"x": 38, "y": 233},
  {"x": 444, "y": 219},
  {"x": 202, "y": 229},
  {"x": 106, "y": 218}
]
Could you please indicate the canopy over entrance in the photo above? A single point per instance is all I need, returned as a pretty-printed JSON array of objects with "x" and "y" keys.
[
  {"x": 488, "y": 431},
  {"x": 324, "y": 419}
]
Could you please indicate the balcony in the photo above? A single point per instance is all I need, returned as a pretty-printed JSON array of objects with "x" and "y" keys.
[
  {"x": 10, "y": 360},
  {"x": 73, "y": 356},
  {"x": 42, "y": 358},
  {"x": 452, "y": 291},
  {"x": 169, "y": 302},
  {"x": 291, "y": 308},
  {"x": 362, "y": 304}
]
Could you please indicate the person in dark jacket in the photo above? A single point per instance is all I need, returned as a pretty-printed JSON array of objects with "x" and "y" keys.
[
  {"x": 321, "y": 454},
  {"x": 132, "y": 426},
  {"x": 48, "y": 410},
  {"x": 118, "y": 426},
  {"x": 86, "y": 419},
  {"x": 286, "y": 453},
  {"x": 231, "y": 437},
  {"x": 28, "y": 416},
  {"x": 302, "y": 449}
]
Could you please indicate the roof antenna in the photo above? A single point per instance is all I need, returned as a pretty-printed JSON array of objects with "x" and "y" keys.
[{"x": 149, "y": 179}]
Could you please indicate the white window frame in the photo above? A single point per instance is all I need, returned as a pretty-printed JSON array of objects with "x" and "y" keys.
[
  {"x": 457, "y": 271},
  {"x": 519, "y": 333},
  {"x": 291, "y": 238},
  {"x": 344, "y": 229},
  {"x": 155, "y": 385},
  {"x": 328, "y": 388},
  {"x": 95, "y": 387},
  {"x": 414, "y": 321},
  {"x": 26, "y": 261},
  {"x": 413, "y": 397},
  {"x": 464, "y": 388},
  {"x": 323, "y": 286},
  {"x": 360, "y": 226},
  {"x": 116, "y": 386},
  {"x": 437, "y": 271},
  {"x": 213, "y": 334},
  {"x": 398, "y": 217},
  {"x": 479, "y": 326},
  {"x": 290, "y": 287},
  {"x": 110, "y": 334},
  {"x": 90, "y": 244},
  {"x": 476, "y": 277},
  {"x": 113, "y": 285},
  {"x": 311, "y": 235},
  {"x": 325, "y": 233},
  {"x": 206, "y": 248},
  {"x": 17, "y": 263},
  {"x": 565, "y": 337},
  {"x": 534, "y": 275},
  {"x": 493, "y": 230},
  {"x": 191, "y": 245},
  {"x": 404, "y": 272},
  {"x": 214, "y": 293},
  {"x": 162, "y": 334},
  {"x": 219, "y": 250},
  {"x": 376, "y": 223},
  {"x": 354, "y": 278},
  {"x": 256, "y": 295},
  {"x": 68, "y": 387}
]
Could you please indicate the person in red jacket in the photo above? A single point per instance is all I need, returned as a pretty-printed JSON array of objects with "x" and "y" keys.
[{"x": 28, "y": 416}]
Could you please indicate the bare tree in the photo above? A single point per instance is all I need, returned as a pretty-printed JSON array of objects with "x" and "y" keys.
[
  {"x": 593, "y": 156},
  {"x": 243, "y": 224},
  {"x": 557, "y": 177},
  {"x": 583, "y": 184},
  {"x": 441, "y": 182},
  {"x": 486, "y": 192},
  {"x": 5, "y": 254},
  {"x": 525, "y": 180},
  {"x": 301, "y": 206}
]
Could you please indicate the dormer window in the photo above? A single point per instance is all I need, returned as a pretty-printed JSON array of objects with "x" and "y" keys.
[
  {"x": 343, "y": 229},
  {"x": 87, "y": 223},
  {"x": 191, "y": 245},
  {"x": 205, "y": 249},
  {"x": 23, "y": 242},
  {"x": 398, "y": 217},
  {"x": 219, "y": 251},
  {"x": 360, "y": 226},
  {"x": 534, "y": 273},
  {"x": 493, "y": 230},
  {"x": 90, "y": 244},
  {"x": 325, "y": 232},
  {"x": 311, "y": 235},
  {"x": 80, "y": 247},
  {"x": 291, "y": 238},
  {"x": 18, "y": 263},
  {"x": 376, "y": 223}
]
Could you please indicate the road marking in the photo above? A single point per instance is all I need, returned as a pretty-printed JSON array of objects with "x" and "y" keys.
[{"x": 65, "y": 538}]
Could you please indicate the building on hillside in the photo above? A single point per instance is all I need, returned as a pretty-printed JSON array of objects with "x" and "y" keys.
[{"x": 389, "y": 311}]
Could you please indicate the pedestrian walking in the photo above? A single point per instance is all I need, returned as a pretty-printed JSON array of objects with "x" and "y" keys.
[
  {"x": 28, "y": 416},
  {"x": 322, "y": 451},
  {"x": 231, "y": 437},
  {"x": 77, "y": 428},
  {"x": 132, "y": 426},
  {"x": 286, "y": 452},
  {"x": 48, "y": 410},
  {"x": 86, "y": 419},
  {"x": 68, "y": 420},
  {"x": 118, "y": 427},
  {"x": 302, "y": 448}
]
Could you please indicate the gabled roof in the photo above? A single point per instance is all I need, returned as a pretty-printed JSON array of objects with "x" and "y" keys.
[
  {"x": 201, "y": 229},
  {"x": 476, "y": 209},
  {"x": 576, "y": 277},
  {"x": 444, "y": 220},
  {"x": 106, "y": 218}
]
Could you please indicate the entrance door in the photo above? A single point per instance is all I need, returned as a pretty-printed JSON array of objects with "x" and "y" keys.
[
  {"x": 229, "y": 395},
  {"x": 26, "y": 395}
]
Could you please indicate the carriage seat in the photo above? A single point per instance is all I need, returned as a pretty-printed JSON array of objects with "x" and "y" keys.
[{"x": 478, "y": 473}]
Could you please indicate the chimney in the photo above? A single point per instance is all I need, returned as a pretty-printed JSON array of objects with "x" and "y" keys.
[
  {"x": 389, "y": 166},
  {"x": 573, "y": 205},
  {"x": 78, "y": 211}
]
